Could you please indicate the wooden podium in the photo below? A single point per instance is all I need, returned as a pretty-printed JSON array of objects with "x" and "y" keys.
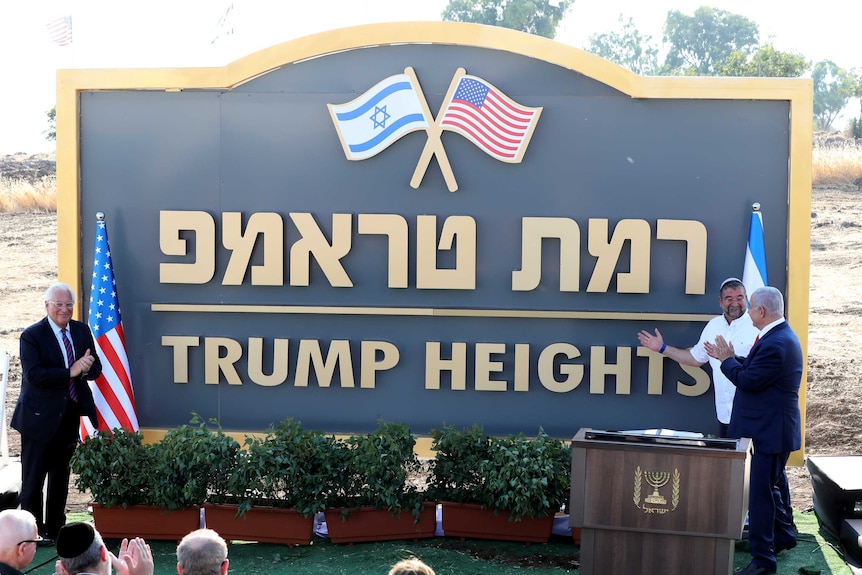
[{"x": 656, "y": 504}]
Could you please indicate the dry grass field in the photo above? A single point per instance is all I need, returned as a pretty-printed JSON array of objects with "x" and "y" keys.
[{"x": 28, "y": 264}]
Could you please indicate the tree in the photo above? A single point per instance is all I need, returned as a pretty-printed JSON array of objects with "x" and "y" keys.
[
  {"x": 833, "y": 88},
  {"x": 699, "y": 44},
  {"x": 51, "y": 132},
  {"x": 540, "y": 17},
  {"x": 627, "y": 47},
  {"x": 765, "y": 62},
  {"x": 857, "y": 89}
]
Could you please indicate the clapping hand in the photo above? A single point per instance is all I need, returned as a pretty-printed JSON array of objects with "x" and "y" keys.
[
  {"x": 135, "y": 558},
  {"x": 720, "y": 350},
  {"x": 83, "y": 365}
]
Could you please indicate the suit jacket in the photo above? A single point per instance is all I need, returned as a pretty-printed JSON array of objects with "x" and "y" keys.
[
  {"x": 766, "y": 405},
  {"x": 45, "y": 380},
  {"x": 8, "y": 570}
]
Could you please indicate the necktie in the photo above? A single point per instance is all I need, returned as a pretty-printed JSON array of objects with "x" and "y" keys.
[
  {"x": 756, "y": 339},
  {"x": 70, "y": 357}
]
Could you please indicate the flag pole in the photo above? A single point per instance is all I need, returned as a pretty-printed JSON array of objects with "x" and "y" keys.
[
  {"x": 434, "y": 145},
  {"x": 754, "y": 274},
  {"x": 112, "y": 391}
]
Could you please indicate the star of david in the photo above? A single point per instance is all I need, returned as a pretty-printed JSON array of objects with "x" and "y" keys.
[{"x": 378, "y": 112}]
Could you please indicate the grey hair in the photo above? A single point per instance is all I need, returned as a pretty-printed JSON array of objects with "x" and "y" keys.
[
  {"x": 201, "y": 552},
  {"x": 15, "y": 525},
  {"x": 412, "y": 566},
  {"x": 58, "y": 286},
  {"x": 88, "y": 561},
  {"x": 770, "y": 299}
]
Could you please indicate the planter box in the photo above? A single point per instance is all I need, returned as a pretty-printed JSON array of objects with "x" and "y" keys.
[
  {"x": 369, "y": 524},
  {"x": 467, "y": 520},
  {"x": 147, "y": 521},
  {"x": 263, "y": 524}
]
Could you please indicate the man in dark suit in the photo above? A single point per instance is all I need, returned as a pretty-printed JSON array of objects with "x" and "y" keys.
[
  {"x": 58, "y": 356},
  {"x": 766, "y": 409}
]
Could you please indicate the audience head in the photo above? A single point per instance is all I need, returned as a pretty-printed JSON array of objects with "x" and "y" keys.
[
  {"x": 411, "y": 567},
  {"x": 81, "y": 550},
  {"x": 18, "y": 537},
  {"x": 202, "y": 552}
]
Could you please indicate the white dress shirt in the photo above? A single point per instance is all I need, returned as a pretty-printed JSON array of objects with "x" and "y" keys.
[
  {"x": 741, "y": 333},
  {"x": 57, "y": 329}
]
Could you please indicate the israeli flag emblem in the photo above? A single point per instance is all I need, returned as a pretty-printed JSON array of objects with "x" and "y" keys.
[{"x": 372, "y": 122}]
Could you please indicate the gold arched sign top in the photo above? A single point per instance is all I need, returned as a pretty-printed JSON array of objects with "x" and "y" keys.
[{"x": 453, "y": 33}]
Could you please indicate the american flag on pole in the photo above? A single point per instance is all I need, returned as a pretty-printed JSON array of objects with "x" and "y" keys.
[
  {"x": 500, "y": 126},
  {"x": 112, "y": 391},
  {"x": 60, "y": 30}
]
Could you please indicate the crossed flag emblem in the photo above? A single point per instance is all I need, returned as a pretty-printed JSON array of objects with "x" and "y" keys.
[{"x": 396, "y": 106}]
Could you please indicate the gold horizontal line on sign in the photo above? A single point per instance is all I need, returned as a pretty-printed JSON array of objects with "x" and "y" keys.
[
  {"x": 428, "y": 312},
  {"x": 291, "y": 309}
]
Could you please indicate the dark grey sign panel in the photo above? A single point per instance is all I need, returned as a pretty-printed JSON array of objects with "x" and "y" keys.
[{"x": 270, "y": 147}]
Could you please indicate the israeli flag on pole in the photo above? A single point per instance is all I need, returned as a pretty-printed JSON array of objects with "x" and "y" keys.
[
  {"x": 372, "y": 122},
  {"x": 754, "y": 272}
]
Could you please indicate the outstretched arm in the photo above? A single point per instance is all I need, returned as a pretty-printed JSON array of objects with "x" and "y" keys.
[{"x": 656, "y": 343}]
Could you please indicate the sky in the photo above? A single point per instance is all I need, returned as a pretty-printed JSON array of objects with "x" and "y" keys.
[{"x": 179, "y": 33}]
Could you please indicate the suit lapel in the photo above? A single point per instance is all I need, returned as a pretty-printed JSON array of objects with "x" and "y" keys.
[
  {"x": 76, "y": 342},
  {"x": 756, "y": 347},
  {"x": 54, "y": 345},
  {"x": 79, "y": 338}
]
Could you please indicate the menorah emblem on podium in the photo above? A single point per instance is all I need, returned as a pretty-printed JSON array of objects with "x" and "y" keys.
[{"x": 656, "y": 479}]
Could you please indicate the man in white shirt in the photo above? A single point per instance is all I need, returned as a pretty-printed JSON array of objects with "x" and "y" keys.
[{"x": 734, "y": 325}]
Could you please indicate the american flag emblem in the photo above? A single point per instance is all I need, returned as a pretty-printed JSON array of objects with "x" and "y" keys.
[{"x": 487, "y": 117}]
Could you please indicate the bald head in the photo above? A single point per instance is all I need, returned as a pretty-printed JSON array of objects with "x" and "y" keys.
[
  {"x": 17, "y": 526},
  {"x": 202, "y": 552}
]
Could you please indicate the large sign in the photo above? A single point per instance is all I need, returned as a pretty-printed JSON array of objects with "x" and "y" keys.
[{"x": 430, "y": 223}]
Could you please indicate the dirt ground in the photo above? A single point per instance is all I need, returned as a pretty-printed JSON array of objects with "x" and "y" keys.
[{"x": 28, "y": 264}]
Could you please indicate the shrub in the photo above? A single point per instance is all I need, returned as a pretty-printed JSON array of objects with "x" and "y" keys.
[
  {"x": 289, "y": 468},
  {"x": 526, "y": 477},
  {"x": 115, "y": 468},
  {"x": 376, "y": 469},
  {"x": 189, "y": 462},
  {"x": 456, "y": 474}
]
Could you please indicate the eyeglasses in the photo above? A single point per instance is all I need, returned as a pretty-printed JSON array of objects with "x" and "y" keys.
[
  {"x": 62, "y": 304},
  {"x": 38, "y": 539}
]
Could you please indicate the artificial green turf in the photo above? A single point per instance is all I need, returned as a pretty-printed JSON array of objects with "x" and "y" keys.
[{"x": 814, "y": 554}]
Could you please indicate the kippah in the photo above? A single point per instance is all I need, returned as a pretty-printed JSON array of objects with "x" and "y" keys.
[
  {"x": 74, "y": 538},
  {"x": 727, "y": 281}
]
